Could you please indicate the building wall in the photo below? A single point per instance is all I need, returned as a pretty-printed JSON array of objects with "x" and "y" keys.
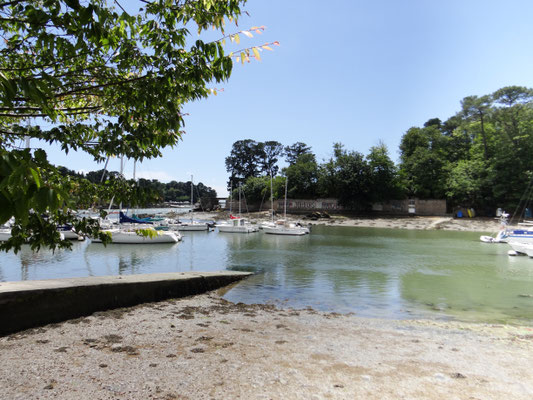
[
  {"x": 299, "y": 205},
  {"x": 398, "y": 207},
  {"x": 422, "y": 207}
]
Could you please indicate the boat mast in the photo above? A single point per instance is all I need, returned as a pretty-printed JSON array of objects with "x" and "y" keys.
[
  {"x": 134, "y": 211},
  {"x": 121, "y": 175},
  {"x": 271, "y": 198},
  {"x": 192, "y": 206},
  {"x": 239, "y": 199},
  {"x": 230, "y": 196},
  {"x": 28, "y": 137},
  {"x": 285, "y": 208}
]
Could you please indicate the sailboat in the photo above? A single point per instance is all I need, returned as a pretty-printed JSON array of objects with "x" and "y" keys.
[
  {"x": 193, "y": 225},
  {"x": 135, "y": 231},
  {"x": 237, "y": 224},
  {"x": 283, "y": 227},
  {"x": 271, "y": 223}
]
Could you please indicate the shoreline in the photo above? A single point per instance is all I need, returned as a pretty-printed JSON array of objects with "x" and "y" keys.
[
  {"x": 205, "y": 347},
  {"x": 478, "y": 224}
]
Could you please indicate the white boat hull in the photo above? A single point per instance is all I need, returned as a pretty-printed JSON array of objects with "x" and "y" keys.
[
  {"x": 290, "y": 231},
  {"x": 518, "y": 247},
  {"x": 236, "y": 229},
  {"x": 237, "y": 225},
  {"x": 5, "y": 234},
  {"x": 131, "y": 237},
  {"x": 192, "y": 227},
  {"x": 523, "y": 248},
  {"x": 70, "y": 235}
]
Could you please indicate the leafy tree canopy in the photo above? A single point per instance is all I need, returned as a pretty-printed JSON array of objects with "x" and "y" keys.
[
  {"x": 244, "y": 161},
  {"x": 91, "y": 77},
  {"x": 295, "y": 150}
]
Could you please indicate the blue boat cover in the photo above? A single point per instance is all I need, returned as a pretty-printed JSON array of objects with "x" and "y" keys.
[{"x": 125, "y": 219}]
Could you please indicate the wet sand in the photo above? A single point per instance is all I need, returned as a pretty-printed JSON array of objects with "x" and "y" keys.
[
  {"x": 415, "y": 222},
  {"x": 204, "y": 347}
]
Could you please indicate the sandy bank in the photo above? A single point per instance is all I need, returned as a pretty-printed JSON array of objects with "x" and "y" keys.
[
  {"x": 416, "y": 222},
  {"x": 206, "y": 348}
]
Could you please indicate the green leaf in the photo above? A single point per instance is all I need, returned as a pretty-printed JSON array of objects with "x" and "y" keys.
[
  {"x": 6, "y": 209},
  {"x": 36, "y": 177}
]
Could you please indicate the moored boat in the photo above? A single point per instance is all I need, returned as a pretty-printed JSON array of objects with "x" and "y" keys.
[
  {"x": 283, "y": 227},
  {"x": 237, "y": 225},
  {"x": 5, "y": 234},
  {"x": 135, "y": 236},
  {"x": 518, "y": 247},
  {"x": 287, "y": 229},
  {"x": 192, "y": 226}
]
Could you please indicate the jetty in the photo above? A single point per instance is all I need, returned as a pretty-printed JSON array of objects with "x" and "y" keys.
[{"x": 29, "y": 304}]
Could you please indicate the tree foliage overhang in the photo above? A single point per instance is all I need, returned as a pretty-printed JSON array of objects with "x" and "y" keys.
[{"x": 105, "y": 82}]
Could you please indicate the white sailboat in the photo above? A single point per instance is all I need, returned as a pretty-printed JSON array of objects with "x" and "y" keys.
[
  {"x": 135, "y": 233},
  {"x": 270, "y": 223},
  {"x": 134, "y": 236},
  {"x": 237, "y": 224},
  {"x": 283, "y": 227},
  {"x": 193, "y": 225}
]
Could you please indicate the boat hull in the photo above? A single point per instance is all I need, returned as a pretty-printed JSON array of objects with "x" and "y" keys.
[
  {"x": 236, "y": 229},
  {"x": 286, "y": 231},
  {"x": 70, "y": 235},
  {"x": 5, "y": 234},
  {"x": 192, "y": 227},
  {"x": 131, "y": 237},
  {"x": 518, "y": 247}
]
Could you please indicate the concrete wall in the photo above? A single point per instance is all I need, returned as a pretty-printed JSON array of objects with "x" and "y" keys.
[
  {"x": 394, "y": 207},
  {"x": 29, "y": 304},
  {"x": 401, "y": 207},
  {"x": 306, "y": 205},
  {"x": 293, "y": 206}
]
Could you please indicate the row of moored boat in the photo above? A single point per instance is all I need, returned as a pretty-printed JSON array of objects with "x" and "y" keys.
[{"x": 134, "y": 230}]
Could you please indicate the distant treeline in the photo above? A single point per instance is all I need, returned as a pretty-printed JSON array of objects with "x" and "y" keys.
[
  {"x": 481, "y": 157},
  {"x": 165, "y": 192}
]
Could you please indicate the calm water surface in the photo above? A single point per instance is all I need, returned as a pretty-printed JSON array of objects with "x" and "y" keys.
[{"x": 372, "y": 272}]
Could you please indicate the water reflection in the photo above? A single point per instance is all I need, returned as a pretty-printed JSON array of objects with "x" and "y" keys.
[
  {"x": 121, "y": 259},
  {"x": 373, "y": 272}
]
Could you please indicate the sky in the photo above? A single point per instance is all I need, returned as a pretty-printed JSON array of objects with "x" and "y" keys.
[{"x": 348, "y": 71}]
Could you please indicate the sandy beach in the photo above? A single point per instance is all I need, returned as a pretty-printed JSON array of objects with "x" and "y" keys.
[
  {"x": 205, "y": 347},
  {"x": 415, "y": 222}
]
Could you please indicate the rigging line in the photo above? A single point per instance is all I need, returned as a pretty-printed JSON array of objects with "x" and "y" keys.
[
  {"x": 118, "y": 4},
  {"x": 199, "y": 198},
  {"x": 525, "y": 195},
  {"x": 262, "y": 200},
  {"x": 245, "y": 202},
  {"x": 527, "y": 199}
]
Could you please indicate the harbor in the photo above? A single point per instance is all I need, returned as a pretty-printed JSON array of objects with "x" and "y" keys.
[
  {"x": 210, "y": 200},
  {"x": 342, "y": 266},
  {"x": 368, "y": 307}
]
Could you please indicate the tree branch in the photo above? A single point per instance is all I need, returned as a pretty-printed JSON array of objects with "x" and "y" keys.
[{"x": 10, "y": 3}]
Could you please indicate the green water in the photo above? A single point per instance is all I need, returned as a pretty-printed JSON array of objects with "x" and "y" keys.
[{"x": 372, "y": 272}]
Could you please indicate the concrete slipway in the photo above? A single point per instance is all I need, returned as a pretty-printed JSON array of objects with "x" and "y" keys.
[{"x": 28, "y": 304}]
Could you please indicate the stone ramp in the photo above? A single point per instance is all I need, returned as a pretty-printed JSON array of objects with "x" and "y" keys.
[{"x": 28, "y": 304}]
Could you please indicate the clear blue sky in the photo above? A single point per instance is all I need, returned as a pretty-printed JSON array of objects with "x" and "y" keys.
[{"x": 347, "y": 71}]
